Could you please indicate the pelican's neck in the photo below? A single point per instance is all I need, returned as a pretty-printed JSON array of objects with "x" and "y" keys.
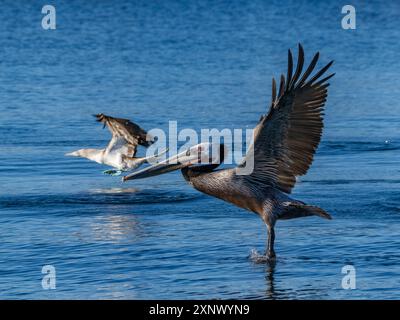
[
  {"x": 209, "y": 182},
  {"x": 223, "y": 184}
]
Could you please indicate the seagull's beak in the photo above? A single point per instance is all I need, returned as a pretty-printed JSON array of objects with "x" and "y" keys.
[
  {"x": 174, "y": 163},
  {"x": 72, "y": 154}
]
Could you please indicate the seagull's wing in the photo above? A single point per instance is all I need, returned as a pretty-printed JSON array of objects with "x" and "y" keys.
[
  {"x": 119, "y": 145},
  {"x": 131, "y": 133},
  {"x": 286, "y": 138}
]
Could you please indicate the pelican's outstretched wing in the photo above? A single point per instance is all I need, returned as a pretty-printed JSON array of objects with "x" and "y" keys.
[
  {"x": 126, "y": 135},
  {"x": 286, "y": 138}
]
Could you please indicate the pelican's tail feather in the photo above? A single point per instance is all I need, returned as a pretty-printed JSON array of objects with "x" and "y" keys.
[{"x": 297, "y": 209}]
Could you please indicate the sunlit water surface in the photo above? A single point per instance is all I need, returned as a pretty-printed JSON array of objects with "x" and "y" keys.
[{"x": 205, "y": 65}]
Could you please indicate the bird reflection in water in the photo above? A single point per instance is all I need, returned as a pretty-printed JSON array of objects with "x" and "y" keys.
[{"x": 269, "y": 277}]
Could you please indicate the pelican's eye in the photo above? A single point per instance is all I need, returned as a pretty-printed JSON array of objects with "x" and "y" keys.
[{"x": 188, "y": 153}]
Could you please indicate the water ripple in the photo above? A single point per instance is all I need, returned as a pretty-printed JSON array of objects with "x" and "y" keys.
[
  {"x": 97, "y": 197},
  {"x": 359, "y": 146}
]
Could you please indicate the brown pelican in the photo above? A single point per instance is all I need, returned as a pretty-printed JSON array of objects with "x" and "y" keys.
[
  {"x": 121, "y": 150},
  {"x": 284, "y": 144}
]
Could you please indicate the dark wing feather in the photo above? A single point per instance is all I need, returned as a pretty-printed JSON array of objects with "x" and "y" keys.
[
  {"x": 286, "y": 138},
  {"x": 131, "y": 132},
  {"x": 126, "y": 135}
]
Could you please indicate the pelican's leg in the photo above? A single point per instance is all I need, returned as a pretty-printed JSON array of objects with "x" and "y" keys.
[{"x": 270, "y": 245}]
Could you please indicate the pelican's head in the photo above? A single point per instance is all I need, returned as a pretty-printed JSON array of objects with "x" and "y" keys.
[{"x": 205, "y": 154}]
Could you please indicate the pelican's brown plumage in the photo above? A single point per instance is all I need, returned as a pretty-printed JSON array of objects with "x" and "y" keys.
[{"x": 285, "y": 141}]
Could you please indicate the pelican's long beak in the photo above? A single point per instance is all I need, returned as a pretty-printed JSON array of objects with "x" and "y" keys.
[{"x": 173, "y": 163}]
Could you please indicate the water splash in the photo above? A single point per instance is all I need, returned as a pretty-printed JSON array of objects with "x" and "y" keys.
[{"x": 257, "y": 257}]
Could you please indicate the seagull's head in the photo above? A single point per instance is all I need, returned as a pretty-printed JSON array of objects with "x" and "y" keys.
[
  {"x": 76, "y": 153},
  {"x": 92, "y": 154}
]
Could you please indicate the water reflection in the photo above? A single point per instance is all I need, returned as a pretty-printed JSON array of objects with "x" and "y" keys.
[
  {"x": 114, "y": 190},
  {"x": 269, "y": 277},
  {"x": 116, "y": 228}
]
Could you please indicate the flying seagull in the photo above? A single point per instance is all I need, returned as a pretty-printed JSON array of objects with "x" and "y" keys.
[
  {"x": 121, "y": 150},
  {"x": 284, "y": 144}
]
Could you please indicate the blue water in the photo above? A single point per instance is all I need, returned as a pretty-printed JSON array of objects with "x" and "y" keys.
[{"x": 205, "y": 65}]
